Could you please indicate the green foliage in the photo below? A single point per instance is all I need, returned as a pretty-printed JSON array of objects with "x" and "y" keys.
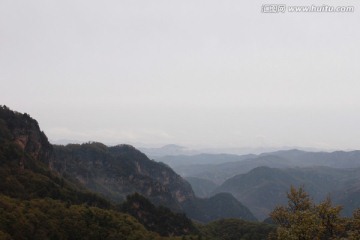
[
  {"x": 51, "y": 219},
  {"x": 302, "y": 219},
  {"x": 158, "y": 219},
  {"x": 36, "y": 181},
  {"x": 37, "y": 203},
  {"x": 235, "y": 229},
  {"x": 354, "y": 226}
]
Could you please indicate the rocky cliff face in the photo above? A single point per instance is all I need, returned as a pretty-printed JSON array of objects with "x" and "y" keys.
[
  {"x": 25, "y": 164},
  {"x": 24, "y": 131},
  {"x": 115, "y": 172},
  {"x": 121, "y": 170}
]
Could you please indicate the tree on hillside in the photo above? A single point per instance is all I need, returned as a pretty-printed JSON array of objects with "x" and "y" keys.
[
  {"x": 301, "y": 219},
  {"x": 354, "y": 225}
]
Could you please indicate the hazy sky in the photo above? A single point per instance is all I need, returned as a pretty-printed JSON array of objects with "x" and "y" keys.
[{"x": 197, "y": 73}]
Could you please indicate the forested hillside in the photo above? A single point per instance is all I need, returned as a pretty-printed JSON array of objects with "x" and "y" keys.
[
  {"x": 79, "y": 191},
  {"x": 37, "y": 202},
  {"x": 118, "y": 171}
]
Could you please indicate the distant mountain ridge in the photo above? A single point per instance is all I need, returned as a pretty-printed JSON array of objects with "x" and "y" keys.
[
  {"x": 167, "y": 150},
  {"x": 178, "y": 150},
  {"x": 263, "y": 188},
  {"x": 260, "y": 181},
  {"x": 203, "y": 158},
  {"x": 336, "y": 159},
  {"x": 231, "y": 165}
]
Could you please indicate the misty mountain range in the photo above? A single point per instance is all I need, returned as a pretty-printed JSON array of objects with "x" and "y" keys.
[
  {"x": 219, "y": 167},
  {"x": 174, "y": 150},
  {"x": 260, "y": 181}
]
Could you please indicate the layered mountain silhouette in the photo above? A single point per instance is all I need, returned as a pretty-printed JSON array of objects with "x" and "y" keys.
[
  {"x": 260, "y": 182},
  {"x": 224, "y": 166},
  {"x": 91, "y": 173}
]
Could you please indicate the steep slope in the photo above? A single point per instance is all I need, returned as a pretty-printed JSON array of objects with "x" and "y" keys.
[
  {"x": 36, "y": 203},
  {"x": 112, "y": 171},
  {"x": 116, "y": 172},
  {"x": 222, "y": 205},
  {"x": 25, "y": 161},
  {"x": 157, "y": 219},
  {"x": 121, "y": 170}
]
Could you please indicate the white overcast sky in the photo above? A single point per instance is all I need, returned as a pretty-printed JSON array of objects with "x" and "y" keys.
[{"x": 196, "y": 73}]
